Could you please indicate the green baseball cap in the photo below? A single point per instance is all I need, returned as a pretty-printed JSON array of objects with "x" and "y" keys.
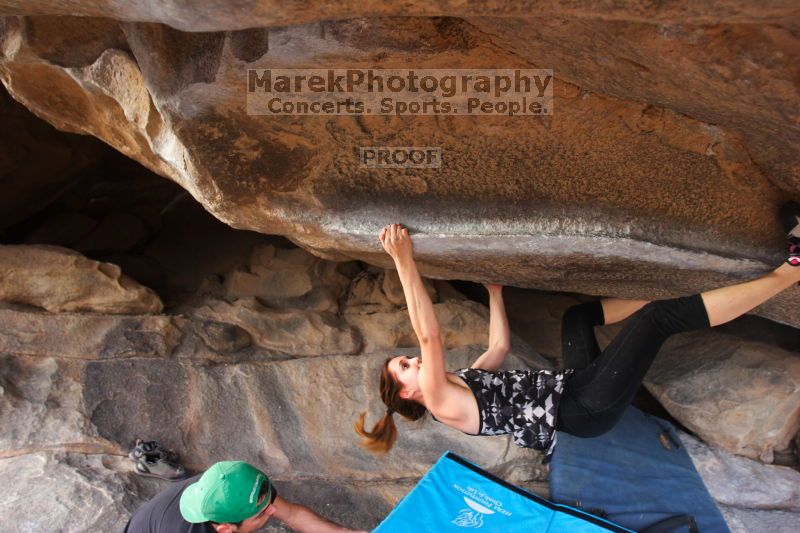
[{"x": 226, "y": 493}]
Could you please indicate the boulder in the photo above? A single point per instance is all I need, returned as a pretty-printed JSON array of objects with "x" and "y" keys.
[
  {"x": 658, "y": 175},
  {"x": 275, "y": 285},
  {"x": 292, "y": 331},
  {"x": 99, "y": 493},
  {"x": 83, "y": 492},
  {"x": 536, "y": 317},
  {"x": 284, "y": 413},
  {"x": 91, "y": 335},
  {"x": 378, "y": 290},
  {"x": 58, "y": 279},
  {"x": 677, "y": 195},
  {"x": 462, "y": 323},
  {"x": 211, "y": 16},
  {"x": 222, "y": 337},
  {"x": 739, "y": 482},
  {"x": 233, "y": 378},
  {"x": 742, "y": 396},
  {"x": 138, "y": 267},
  {"x": 752, "y": 496},
  {"x": 749, "y": 520},
  {"x": 192, "y": 248},
  {"x": 735, "y": 385},
  {"x": 41, "y": 408},
  {"x": 230, "y": 368},
  {"x": 287, "y": 277},
  {"x": 375, "y": 305}
]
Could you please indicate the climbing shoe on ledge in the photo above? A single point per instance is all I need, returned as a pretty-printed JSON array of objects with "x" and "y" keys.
[
  {"x": 154, "y": 461},
  {"x": 151, "y": 447},
  {"x": 159, "y": 467}
]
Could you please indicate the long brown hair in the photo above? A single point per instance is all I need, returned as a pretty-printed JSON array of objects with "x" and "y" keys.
[{"x": 384, "y": 433}]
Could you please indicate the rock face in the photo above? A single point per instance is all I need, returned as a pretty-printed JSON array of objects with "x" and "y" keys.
[
  {"x": 741, "y": 396},
  {"x": 228, "y": 363},
  {"x": 286, "y": 300},
  {"x": 276, "y": 379},
  {"x": 108, "y": 337},
  {"x": 292, "y": 331},
  {"x": 286, "y": 415},
  {"x": 673, "y": 140},
  {"x": 752, "y": 496},
  {"x": 58, "y": 279},
  {"x": 376, "y": 306},
  {"x": 85, "y": 493},
  {"x": 677, "y": 195}
]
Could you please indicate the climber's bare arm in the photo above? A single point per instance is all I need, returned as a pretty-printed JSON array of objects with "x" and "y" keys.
[
  {"x": 397, "y": 243},
  {"x": 499, "y": 332}
]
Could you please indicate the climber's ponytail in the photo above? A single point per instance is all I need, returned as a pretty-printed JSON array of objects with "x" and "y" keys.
[
  {"x": 382, "y": 437},
  {"x": 384, "y": 433}
]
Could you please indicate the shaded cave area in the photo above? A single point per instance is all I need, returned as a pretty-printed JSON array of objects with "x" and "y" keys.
[{"x": 119, "y": 212}]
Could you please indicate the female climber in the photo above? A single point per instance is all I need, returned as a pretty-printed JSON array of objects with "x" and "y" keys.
[{"x": 588, "y": 397}]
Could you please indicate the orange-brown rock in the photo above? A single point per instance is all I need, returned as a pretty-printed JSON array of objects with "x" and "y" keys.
[{"x": 672, "y": 142}]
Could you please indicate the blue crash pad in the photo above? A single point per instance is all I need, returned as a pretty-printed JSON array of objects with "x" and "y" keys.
[
  {"x": 457, "y": 496},
  {"x": 637, "y": 474}
]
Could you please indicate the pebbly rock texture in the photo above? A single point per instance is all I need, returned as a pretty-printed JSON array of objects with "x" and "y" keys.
[
  {"x": 742, "y": 396},
  {"x": 752, "y": 496},
  {"x": 678, "y": 193},
  {"x": 58, "y": 279}
]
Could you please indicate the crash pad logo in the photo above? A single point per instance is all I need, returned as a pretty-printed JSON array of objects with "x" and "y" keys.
[{"x": 472, "y": 517}]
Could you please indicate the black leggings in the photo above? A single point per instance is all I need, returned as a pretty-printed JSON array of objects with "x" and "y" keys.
[{"x": 604, "y": 383}]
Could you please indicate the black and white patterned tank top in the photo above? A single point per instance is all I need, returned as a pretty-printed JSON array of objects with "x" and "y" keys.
[{"x": 523, "y": 403}]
